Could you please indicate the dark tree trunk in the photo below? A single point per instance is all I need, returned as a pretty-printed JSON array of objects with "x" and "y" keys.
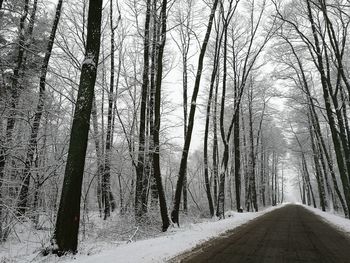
[
  {"x": 33, "y": 142},
  {"x": 65, "y": 237},
  {"x": 183, "y": 164},
  {"x": 252, "y": 184},
  {"x": 155, "y": 39},
  {"x": 215, "y": 144},
  {"x": 107, "y": 196},
  {"x": 157, "y": 119},
  {"x": 185, "y": 82},
  {"x": 319, "y": 176},
  {"x": 98, "y": 148},
  {"x": 140, "y": 207},
  {"x": 245, "y": 159},
  {"x": 262, "y": 174},
  {"x": 220, "y": 211},
  {"x": 207, "y": 122},
  {"x": 308, "y": 181},
  {"x": 237, "y": 161}
]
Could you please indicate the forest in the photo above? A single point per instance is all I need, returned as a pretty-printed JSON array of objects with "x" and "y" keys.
[{"x": 123, "y": 119}]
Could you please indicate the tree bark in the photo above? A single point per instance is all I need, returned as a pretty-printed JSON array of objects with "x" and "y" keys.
[
  {"x": 207, "y": 122},
  {"x": 185, "y": 151},
  {"x": 139, "y": 205},
  {"x": 319, "y": 176},
  {"x": 98, "y": 148},
  {"x": 251, "y": 169},
  {"x": 157, "y": 119},
  {"x": 33, "y": 141},
  {"x": 107, "y": 196},
  {"x": 65, "y": 237}
]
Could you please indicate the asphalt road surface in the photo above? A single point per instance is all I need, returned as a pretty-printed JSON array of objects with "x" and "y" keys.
[{"x": 288, "y": 234}]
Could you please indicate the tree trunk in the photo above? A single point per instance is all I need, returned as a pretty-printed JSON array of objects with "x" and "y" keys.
[
  {"x": 215, "y": 145},
  {"x": 185, "y": 151},
  {"x": 308, "y": 181},
  {"x": 33, "y": 142},
  {"x": 155, "y": 39},
  {"x": 251, "y": 163},
  {"x": 65, "y": 237},
  {"x": 319, "y": 176},
  {"x": 207, "y": 122},
  {"x": 157, "y": 119},
  {"x": 98, "y": 148},
  {"x": 139, "y": 205},
  {"x": 220, "y": 211},
  {"x": 237, "y": 161}
]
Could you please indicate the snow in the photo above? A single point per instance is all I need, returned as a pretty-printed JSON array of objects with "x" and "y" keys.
[
  {"x": 8, "y": 71},
  {"x": 338, "y": 221},
  {"x": 89, "y": 60},
  {"x": 162, "y": 248},
  {"x": 171, "y": 244}
]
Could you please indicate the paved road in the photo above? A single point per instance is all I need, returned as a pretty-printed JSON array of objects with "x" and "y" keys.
[{"x": 289, "y": 234}]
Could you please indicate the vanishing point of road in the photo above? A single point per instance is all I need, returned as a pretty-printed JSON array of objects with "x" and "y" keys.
[{"x": 289, "y": 234}]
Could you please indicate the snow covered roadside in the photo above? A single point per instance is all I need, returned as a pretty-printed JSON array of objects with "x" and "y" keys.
[
  {"x": 176, "y": 241},
  {"x": 336, "y": 220}
]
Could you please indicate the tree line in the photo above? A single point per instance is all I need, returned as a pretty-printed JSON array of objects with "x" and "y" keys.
[{"x": 90, "y": 109}]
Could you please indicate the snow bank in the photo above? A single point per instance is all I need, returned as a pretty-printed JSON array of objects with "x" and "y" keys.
[
  {"x": 172, "y": 243},
  {"x": 338, "y": 221}
]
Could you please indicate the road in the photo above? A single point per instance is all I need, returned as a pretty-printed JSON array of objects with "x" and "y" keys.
[{"x": 289, "y": 234}]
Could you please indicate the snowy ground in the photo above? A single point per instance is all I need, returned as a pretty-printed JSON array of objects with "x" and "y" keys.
[
  {"x": 160, "y": 249},
  {"x": 338, "y": 221}
]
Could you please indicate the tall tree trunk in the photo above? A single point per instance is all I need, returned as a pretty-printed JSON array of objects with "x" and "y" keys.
[
  {"x": 215, "y": 143},
  {"x": 98, "y": 148},
  {"x": 157, "y": 119},
  {"x": 307, "y": 179},
  {"x": 252, "y": 184},
  {"x": 107, "y": 197},
  {"x": 155, "y": 40},
  {"x": 262, "y": 175},
  {"x": 185, "y": 82},
  {"x": 319, "y": 176},
  {"x": 220, "y": 210},
  {"x": 65, "y": 237},
  {"x": 33, "y": 141},
  {"x": 207, "y": 122},
  {"x": 237, "y": 160},
  {"x": 139, "y": 205},
  {"x": 185, "y": 151}
]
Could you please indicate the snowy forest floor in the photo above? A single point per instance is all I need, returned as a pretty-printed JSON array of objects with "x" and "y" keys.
[{"x": 116, "y": 239}]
